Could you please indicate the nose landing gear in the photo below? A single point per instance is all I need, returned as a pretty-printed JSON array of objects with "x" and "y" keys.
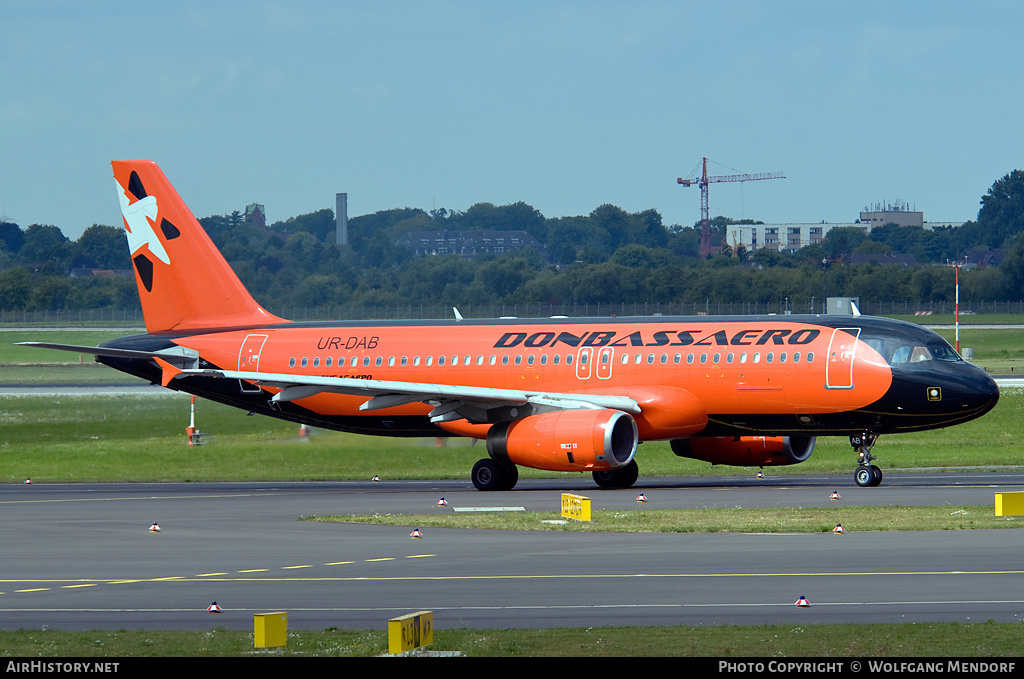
[{"x": 867, "y": 474}]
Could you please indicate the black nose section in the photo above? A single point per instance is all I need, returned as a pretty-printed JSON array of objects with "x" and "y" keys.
[{"x": 938, "y": 394}]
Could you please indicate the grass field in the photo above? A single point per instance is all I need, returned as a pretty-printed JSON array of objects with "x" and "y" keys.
[
  {"x": 133, "y": 438},
  {"x": 934, "y": 640}
]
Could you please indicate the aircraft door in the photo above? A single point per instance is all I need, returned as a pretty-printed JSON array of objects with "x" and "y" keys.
[
  {"x": 604, "y": 362},
  {"x": 249, "y": 360},
  {"x": 839, "y": 363},
  {"x": 584, "y": 359}
]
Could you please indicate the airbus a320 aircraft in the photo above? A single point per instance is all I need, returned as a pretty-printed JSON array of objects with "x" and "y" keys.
[{"x": 557, "y": 394}]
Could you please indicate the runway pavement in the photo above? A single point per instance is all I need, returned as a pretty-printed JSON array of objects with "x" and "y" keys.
[{"x": 81, "y": 556}]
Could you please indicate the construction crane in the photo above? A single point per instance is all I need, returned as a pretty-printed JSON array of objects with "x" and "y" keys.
[{"x": 705, "y": 220}]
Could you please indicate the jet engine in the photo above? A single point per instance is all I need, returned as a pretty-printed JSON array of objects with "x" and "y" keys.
[
  {"x": 746, "y": 451},
  {"x": 566, "y": 440}
]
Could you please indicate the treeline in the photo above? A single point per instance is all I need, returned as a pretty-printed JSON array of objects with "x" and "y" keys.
[{"x": 607, "y": 257}]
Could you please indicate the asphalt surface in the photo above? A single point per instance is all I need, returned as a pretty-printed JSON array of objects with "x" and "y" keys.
[{"x": 82, "y": 556}]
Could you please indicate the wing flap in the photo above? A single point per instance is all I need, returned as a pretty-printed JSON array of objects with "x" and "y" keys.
[{"x": 389, "y": 394}]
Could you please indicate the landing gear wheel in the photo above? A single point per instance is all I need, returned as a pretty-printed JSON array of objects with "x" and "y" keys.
[
  {"x": 489, "y": 474},
  {"x": 623, "y": 477},
  {"x": 867, "y": 474},
  {"x": 864, "y": 477}
]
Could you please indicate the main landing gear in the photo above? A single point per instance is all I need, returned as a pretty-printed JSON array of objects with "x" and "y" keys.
[
  {"x": 867, "y": 474},
  {"x": 489, "y": 474}
]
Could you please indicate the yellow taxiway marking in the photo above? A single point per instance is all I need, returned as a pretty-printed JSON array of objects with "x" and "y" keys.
[
  {"x": 387, "y": 558},
  {"x": 255, "y": 570},
  {"x": 338, "y": 563},
  {"x": 421, "y": 578},
  {"x": 91, "y": 584},
  {"x": 206, "y": 575},
  {"x": 288, "y": 568},
  {"x": 38, "y": 589},
  {"x": 420, "y": 556}
]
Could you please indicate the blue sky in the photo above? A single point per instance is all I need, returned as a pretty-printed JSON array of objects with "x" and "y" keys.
[{"x": 564, "y": 105}]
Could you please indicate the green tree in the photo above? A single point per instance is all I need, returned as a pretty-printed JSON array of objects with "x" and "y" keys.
[
  {"x": 1002, "y": 209},
  {"x": 102, "y": 247}
]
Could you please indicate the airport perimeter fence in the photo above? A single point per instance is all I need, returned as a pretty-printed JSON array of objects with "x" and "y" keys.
[{"x": 128, "y": 316}]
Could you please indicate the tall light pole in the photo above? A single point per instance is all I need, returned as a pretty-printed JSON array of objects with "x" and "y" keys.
[{"x": 956, "y": 266}]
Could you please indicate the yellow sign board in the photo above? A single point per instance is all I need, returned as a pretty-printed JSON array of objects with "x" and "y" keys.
[
  {"x": 407, "y": 632},
  {"x": 270, "y": 630},
  {"x": 1009, "y": 504},
  {"x": 575, "y": 507}
]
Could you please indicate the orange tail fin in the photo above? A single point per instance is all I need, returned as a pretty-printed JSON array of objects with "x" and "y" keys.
[{"x": 184, "y": 282}]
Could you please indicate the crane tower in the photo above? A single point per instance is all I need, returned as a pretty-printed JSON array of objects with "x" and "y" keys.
[{"x": 703, "y": 182}]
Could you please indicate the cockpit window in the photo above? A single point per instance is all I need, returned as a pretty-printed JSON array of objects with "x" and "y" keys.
[
  {"x": 916, "y": 353},
  {"x": 902, "y": 351}
]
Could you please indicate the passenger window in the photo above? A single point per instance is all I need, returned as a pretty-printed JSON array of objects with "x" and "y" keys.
[
  {"x": 770, "y": 357},
  {"x": 415, "y": 361},
  {"x": 689, "y": 358},
  {"x": 366, "y": 361},
  {"x": 504, "y": 359},
  {"x": 757, "y": 357},
  {"x": 625, "y": 359},
  {"x": 664, "y": 359},
  {"x": 440, "y": 360},
  {"x": 703, "y": 358},
  {"x": 455, "y": 360},
  {"x": 519, "y": 359},
  {"x": 430, "y": 361},
  {"x": 796, "y": 357},
  {"x": 355, "y": 361},
  {"x": 379, "y": 361},
  {"x": 743, "y": 357},
  {"x": 405, "y": 361},
  {"x": 327, "y": 363},
  {"x": 568, "y": 359},
  {"x": 391, "y": 361},
  {"x": 782, "y": 357},
  {"x": 479, "y": 360},
  {"x": 494, "y": 359},
  {"x": 530, "y": 359},
  {"x": 304, "y": 361},
  {"x": 556, "y": 358},
  {"x": 677, "y": 358},
  {"x": 316, "y": 362},
  {"x": 728, "y": 359},
  {"x": 291, "y": 362},
  {"x": 717, "y": 359}
]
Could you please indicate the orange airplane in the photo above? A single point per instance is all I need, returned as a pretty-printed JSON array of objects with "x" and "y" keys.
[{"x": 561, "y": 394}]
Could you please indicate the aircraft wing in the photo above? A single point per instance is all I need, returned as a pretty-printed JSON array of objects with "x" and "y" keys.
[{"x": 451, "y": 402}]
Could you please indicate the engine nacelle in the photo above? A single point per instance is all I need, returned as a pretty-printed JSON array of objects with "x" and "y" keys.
[
  {"x": 746, "y": 451},
  {"x": 566, "y": 440}
]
